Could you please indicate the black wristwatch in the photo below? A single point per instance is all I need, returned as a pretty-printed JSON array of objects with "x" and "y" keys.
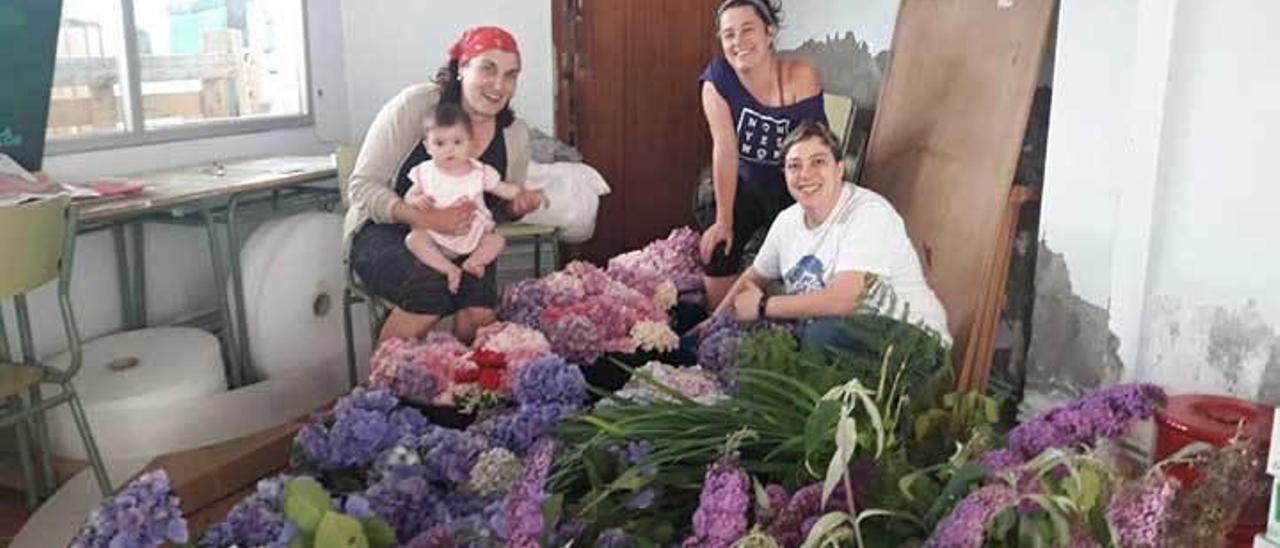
[{"x": 764, "y": 301}]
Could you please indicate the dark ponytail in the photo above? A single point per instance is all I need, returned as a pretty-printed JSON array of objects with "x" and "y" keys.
[
  {"x": 770, "y": 11},
  {"x": 448, "y": 79}
]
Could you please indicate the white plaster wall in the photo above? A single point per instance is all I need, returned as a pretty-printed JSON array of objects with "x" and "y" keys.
[
  {"x": 1158, "y": 196},
  {"x": 389, "y": 44},
  {"x": 1211, "y": 325}
]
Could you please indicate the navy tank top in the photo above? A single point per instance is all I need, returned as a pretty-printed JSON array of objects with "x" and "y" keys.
[{"x": 760, "y": 128}]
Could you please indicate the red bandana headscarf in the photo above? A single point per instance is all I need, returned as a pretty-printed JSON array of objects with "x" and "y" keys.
[{"x": 479, "y": 40}]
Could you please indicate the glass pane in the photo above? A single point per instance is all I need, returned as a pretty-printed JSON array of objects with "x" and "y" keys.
[
  {"x": 219, "y": 59},
  {"x": 88, "y": 95}
]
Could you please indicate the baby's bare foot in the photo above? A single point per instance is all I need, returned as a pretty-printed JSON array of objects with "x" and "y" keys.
[
  {"x": 476, "y": 268},
  {"x": 454, "y": 279}
]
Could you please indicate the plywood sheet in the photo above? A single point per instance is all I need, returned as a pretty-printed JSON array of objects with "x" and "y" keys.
[{"x": 947, "y": 133}]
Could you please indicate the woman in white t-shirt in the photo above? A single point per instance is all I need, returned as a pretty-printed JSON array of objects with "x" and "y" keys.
[{"x": 824, "y": 247}]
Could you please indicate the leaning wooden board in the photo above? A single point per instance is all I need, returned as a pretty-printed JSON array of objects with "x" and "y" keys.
[{"x": 948, "y": 129}]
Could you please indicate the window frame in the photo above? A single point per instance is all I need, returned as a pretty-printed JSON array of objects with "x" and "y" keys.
[{"x": 139, "y": 135}]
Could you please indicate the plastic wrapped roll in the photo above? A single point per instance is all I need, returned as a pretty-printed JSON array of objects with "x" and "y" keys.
[
  {"x": 134, "y": 383},
  {"x": 293, "y": 281}
]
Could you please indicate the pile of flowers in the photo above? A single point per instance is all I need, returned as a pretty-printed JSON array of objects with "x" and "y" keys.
[
  {"x": 691, "y": 382},
  {"x": 585, "y": 314},
  {"x": 662, "y": 269},
  {"x": 440, "y": 370},
  {"x": 144, "y": 514},
  {"x": 757, "y": 445}
]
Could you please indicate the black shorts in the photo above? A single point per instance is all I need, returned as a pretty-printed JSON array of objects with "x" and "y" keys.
[
  {"x": 753, "y": 209},
  {"x": 385, "y": 266}
]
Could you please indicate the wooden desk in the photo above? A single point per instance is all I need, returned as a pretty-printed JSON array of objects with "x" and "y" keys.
[{"x": 212, "y": 196}]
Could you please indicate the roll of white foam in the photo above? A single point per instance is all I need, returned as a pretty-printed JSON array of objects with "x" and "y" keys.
[
  {"x": 132, "y": 381},
  {"x": 293, "y": 280}
]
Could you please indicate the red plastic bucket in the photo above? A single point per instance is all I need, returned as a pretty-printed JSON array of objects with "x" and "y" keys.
[{"x": 1213, "y": 419}]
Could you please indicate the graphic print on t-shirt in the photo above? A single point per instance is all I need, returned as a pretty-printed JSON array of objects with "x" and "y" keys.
[
  {"x": 805, "y": 276},
  {"x": 760, "y": 137}
]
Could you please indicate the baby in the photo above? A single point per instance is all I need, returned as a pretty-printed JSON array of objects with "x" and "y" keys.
[{"x": 448, "y": 178}]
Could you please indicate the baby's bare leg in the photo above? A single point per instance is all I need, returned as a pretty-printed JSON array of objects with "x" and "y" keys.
[
  {"x": 490, "y": 246},
  {"x": 420, "y": 244}
]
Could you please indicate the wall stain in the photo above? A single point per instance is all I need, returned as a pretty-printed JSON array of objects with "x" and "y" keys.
[{"x": 1072, "y": 348}]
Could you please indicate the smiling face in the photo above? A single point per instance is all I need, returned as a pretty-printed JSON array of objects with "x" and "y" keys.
[
  {"x": 489, "y": 82},
  {"x": 746, "y": 39},
  {"x": 813, "y": 175}
]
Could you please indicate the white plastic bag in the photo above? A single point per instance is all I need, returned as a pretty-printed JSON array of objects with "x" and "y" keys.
[{"x": 573, "y": 193}]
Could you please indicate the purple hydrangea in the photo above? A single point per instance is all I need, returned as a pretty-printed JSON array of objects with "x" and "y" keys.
[
  {"x": 144, "y": 514},
  {"x": 517, "y": 430},
  {"x": 522, "y": 302},
  {"x": 258, "y": 520},
  {"x": 721, "y": 517},
  {"x": 448, "y": 455},
  {"x": 524, "y": 502},
  {"x": 360, "y": 427},
  {"x": 550, "y": 381},
  {"x": 966, "y": 526},
  {"x": 718, "y": 350}
]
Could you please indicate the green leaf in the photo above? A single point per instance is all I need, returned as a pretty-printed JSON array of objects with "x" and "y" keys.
[
  {"x": 838, "y": 466},
  {"x": 337, "y": 530},
  {"x": 552, "y": 507},
  {"x": 825, "y": 527},
  {"x": 379, "y": 533},
  {"x": 305, "y": 504},
  {"x": 821, "y": 421}
]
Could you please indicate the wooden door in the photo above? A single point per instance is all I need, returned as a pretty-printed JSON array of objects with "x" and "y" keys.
[{"x": 628, "y": 97}]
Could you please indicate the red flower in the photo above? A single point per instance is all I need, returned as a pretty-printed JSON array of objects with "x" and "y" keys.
[
  {"x": 490, "y": 378},
  {"x": 468, "y": 375},
  {"x": 489, "y": 359}
]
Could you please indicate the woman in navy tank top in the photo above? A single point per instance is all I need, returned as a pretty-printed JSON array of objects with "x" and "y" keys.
[{"x": 752, "y": 99}]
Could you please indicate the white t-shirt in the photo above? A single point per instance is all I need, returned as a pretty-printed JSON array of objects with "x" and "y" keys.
[{"x": 863, "y": 234}]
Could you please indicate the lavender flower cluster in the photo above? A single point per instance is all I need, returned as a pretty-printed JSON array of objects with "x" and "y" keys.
[
  {"x": 1104, "y": 414},
  {"x": 966, "y": 526},
  {"x": 1138, "y": 513},
  {"x": 361, "y": 426},
  {"x": 524, "y": 502},
  {"x": 721, "y": 517},
  {"x": 144, "y": 514},
  {"x": 258, "y": 520}
]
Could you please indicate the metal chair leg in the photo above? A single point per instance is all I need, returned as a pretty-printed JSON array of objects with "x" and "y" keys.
[
  {"x": 43, "y": 445},
  {"x": 347, "y": 332},
  {"x": 90, "y": 447},
  {"x": 23, "y": 432}
]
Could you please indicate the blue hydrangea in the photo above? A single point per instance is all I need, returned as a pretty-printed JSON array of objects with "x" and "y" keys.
[
  {"x": 550, "y": 381},
  {"x": 144, "y": 514},
  {"x": 258, "y": 520}
]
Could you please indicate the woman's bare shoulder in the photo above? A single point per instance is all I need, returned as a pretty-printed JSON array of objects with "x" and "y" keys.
[{"x": 803, "y": 77}]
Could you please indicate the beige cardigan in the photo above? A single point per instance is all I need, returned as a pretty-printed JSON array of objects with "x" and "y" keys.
[{"x": 395, "y": 132}]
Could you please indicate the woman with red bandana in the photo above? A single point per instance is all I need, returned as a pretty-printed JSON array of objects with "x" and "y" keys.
[{"x": 480, "y": 76}]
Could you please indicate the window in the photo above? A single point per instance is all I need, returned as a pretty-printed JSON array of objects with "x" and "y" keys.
[{"x": 144, "y": 71}]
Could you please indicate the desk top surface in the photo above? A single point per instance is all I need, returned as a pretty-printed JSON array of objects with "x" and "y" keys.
[{"x": 171, "y": 188}]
